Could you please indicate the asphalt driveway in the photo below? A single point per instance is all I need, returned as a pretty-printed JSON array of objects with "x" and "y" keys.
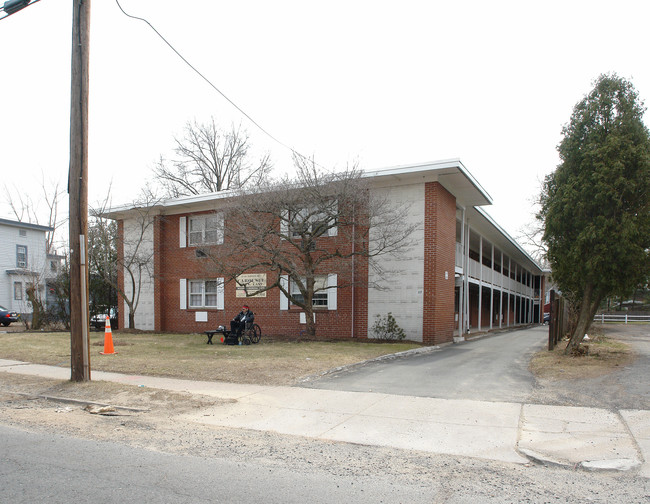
[{"x": 491, "y": 368}]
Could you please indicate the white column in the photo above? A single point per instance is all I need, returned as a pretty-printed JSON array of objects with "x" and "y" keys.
[
  {"x": 492, "y": 288},
  {"x": 480, "y": 279},
  {"x": 467, "y": 244},
  {"x": 501, "y": 295},
  {"x": 508, "y": 297}
]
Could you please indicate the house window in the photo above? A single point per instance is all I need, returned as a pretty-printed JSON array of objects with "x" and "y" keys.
[
  {"x": 22, "y": 232},
  {"x": 320, "y": 296},
  {"x": 313, "y": 221},
  {"x": 203, "y": 293},
  {"x": 206, "y": 229},
  {"x": 18, "y": 291},
  {"x": 21, "y": 256}
]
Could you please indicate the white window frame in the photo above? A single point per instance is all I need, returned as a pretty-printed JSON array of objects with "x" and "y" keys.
[
  {"x": 19, "y": 263},
  {"x": 321, "y": 298},
  {"x": 313, "y": 219},
  {"x": 203, "y": 293},
  {"x": 18, "y": 291},
  {"x": 199, "y": 233}
]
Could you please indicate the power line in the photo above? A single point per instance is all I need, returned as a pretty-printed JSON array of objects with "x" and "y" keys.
[
  {"x": 12, "y": 6},
  {"x": 210, "y": 82}
]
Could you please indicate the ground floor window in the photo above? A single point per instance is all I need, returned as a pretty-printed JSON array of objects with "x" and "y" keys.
[
  {"x": 18, "y": 291},
  {"x": 203, "y": 293},
  {"x": 320, "y": 296}
]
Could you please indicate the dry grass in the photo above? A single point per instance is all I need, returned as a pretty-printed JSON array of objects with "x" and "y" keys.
[
  {"x": 188, "y": 356},
  {"x": 604, "y": 356}
]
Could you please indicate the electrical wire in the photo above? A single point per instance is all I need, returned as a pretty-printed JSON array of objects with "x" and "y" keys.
[
  {"x": 210, "y": 83},
  {"x": 7, "y": 14}
]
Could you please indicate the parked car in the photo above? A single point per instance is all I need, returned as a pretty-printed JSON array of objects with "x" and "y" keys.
[
  {"x": 99, "y": 321},
  {"x": 547, "y": 317},
  {"x": 8, "y": 316}
]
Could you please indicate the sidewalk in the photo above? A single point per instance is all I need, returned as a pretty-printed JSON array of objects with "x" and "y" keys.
[{"x": 591, "y": 438}]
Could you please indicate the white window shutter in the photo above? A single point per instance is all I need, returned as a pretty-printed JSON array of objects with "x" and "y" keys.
[
  {"x": 333, "y": 231},
  {"x": 284, "y": 224},
  {"x": 183, "y": 293},
  {"x": 221, "y": 229},
  {"x": 284, "y": 300},
  {"x": 220, "y": 294},
  {"x": 331, "y": 291},
  {"x": 182, "y": 232}
]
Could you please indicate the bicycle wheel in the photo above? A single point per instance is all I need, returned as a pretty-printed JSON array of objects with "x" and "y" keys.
[{"x": 256, "y": 333}]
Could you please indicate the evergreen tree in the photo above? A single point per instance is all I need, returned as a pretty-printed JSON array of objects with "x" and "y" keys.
[{"x": 595, "y": 205}]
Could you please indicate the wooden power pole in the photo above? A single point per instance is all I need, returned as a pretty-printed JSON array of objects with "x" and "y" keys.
[{"x": 78, "y": 193}]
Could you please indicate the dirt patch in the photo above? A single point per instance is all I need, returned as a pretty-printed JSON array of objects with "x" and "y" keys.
[
  {"x": 600, "y": 355},
  {"x": 613, "y": 375}
]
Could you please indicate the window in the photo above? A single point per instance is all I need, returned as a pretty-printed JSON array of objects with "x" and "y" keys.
[
  {"x": 21, "y": 256},
  {"x": 22, "y": 232},
  {"x": 203, "y": 293},
  {"x": 18, "y": 291},
  {"x": 314, "y": 221},
  {"x": 320, "y": 296},
  {"x": 206, "y": 229}
]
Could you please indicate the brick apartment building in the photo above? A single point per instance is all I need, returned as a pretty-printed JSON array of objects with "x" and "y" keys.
[{"x": 464, "y": 274}]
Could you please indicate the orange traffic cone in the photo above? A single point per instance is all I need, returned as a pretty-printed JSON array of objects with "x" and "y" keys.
[{"x": 108, "y": 338}]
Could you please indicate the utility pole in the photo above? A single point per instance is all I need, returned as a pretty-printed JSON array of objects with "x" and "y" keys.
[{"x": 78, "y": 194}]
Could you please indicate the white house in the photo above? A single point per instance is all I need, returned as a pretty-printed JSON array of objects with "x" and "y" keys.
[{"x": 23, "y": 261}]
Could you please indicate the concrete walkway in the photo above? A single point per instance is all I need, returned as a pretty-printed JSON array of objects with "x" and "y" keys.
[{"x": 591, "y": 438}]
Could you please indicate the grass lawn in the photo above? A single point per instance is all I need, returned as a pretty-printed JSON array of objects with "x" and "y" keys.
[{"x": 187, "y": 355}]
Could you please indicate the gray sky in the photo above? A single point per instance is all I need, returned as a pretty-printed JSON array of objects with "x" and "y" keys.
[{"x": 387, "y": 83}]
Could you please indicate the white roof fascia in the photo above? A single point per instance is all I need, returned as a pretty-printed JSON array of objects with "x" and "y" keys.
[
  {"x": 435, "y": 168},
  {"x": 438, "y": 166}
]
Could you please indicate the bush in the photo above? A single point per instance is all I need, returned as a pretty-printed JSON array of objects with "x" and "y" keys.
[{"x": 386, "y": 328}]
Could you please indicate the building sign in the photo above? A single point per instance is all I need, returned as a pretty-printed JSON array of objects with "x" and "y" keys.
[{"x": 251, "y": 282}]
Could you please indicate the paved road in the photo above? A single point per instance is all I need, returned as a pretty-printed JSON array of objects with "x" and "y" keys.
[
  {"x": 53, "y": 469},
  {"x": 492, "y": 368}
]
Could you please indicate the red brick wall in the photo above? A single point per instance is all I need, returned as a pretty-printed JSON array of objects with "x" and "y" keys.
[
  {"x": 157, "y": 269},
  {"x": 439, "y": 257},
  {"x": 174, "y": 263}
]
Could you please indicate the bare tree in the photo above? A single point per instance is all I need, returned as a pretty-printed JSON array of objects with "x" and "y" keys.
[
  {"x": 136, "y": 259},
  {"x": 26, "y": 210},
  {"x": 281, "y": 229},
  {"x": 210, "y": 160}
]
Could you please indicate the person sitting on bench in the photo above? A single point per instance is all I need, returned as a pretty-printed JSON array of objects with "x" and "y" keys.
[{"x": 238, "y": 324}]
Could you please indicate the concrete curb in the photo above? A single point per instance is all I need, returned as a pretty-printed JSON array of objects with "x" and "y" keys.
[{"x": 80, "y": 402}]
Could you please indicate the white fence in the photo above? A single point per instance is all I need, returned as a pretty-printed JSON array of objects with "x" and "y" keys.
[{"x": 623, "y": 318}]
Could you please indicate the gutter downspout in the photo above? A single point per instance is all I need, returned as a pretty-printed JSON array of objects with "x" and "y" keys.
[{"x": 354, "y": 258}]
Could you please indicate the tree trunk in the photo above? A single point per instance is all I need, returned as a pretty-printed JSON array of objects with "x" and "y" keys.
[
  {"x": 310, "y": 326},
  {"x": 131, "y": 320},
  {"x": 588, "y": 308}
]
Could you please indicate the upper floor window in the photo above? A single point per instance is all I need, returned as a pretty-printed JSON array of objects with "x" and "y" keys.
[
  {"x": 22, "y": 232},
  {"x": 312, "y": 221},
  {"x": 206, "y": 229},
  {"x": 21, "y": 256}
]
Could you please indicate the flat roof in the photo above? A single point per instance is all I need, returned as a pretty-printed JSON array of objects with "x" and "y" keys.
[{"x": 451, "y": 174}]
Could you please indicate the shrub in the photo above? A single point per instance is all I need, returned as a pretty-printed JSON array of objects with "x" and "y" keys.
[{"x": 386, "y": 328}]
